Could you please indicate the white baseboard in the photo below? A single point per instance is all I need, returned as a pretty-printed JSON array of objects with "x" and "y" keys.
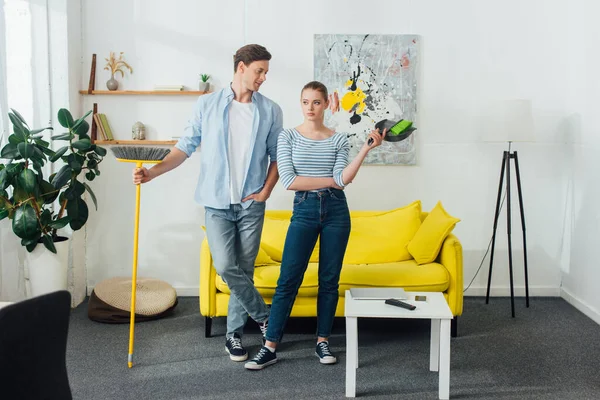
[
  {"x": 536, "y": 291},
  {"x": 581, "y": 305},
  {"x": 182, "y": 291}
]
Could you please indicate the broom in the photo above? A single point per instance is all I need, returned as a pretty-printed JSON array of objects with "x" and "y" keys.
[{"x": 138, "y": 155}]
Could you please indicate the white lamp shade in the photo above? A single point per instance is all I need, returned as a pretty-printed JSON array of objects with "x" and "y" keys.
[{"x": 508, "y": 121}]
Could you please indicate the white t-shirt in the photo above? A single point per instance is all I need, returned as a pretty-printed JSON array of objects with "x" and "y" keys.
[{"x": 240, "y": 132}]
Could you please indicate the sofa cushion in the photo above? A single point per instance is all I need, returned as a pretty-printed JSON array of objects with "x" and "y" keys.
[
  {"x": 273, "y": 236},
  {"x": 382, "y": 237},
  {"x": 427, "y": 242},
  {"x": 432, "y": 277},
  {"x": 262, "y": 258}
]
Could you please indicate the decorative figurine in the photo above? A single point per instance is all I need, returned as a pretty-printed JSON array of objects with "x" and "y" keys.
[{"x": 138, "y": 131}]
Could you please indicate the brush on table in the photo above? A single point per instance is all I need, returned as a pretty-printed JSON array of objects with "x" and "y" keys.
[{"x": 139, "y": 155}]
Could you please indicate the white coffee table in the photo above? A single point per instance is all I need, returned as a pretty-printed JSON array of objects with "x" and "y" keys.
[{"x": 435, "y": 308}]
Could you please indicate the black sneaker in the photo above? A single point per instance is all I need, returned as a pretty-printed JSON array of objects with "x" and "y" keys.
[
  {"x": 324, "y": 354},
  {"x": 263, "y": 329},
  {"x": 264, "y": 358},
  {"x": 234, "y": 347}
]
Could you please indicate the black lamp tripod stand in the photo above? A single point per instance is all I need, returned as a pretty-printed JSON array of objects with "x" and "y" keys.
[{"x": 507, "y": 156}]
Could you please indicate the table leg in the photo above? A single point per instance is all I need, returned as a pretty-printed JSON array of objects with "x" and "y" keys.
[
  {"x": 351, "y": 355},
  {"x": 434, "y": 347},
  {"x": 445, "y": 359}
]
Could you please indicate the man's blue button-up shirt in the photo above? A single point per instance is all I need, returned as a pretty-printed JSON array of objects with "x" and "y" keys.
[{"x": 210, "y": 125}]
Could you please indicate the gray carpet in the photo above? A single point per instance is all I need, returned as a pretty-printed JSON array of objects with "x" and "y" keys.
[{"x": 550, "y": 351}]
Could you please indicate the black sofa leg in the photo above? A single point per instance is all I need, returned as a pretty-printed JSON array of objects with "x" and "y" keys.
[
  {"x": 454, "y": 327},
  {"x": 207, "y": 326}
]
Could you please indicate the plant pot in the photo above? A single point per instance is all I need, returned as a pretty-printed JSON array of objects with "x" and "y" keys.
[
  {"x": 203, "y": 86},
  {"x": 48, "y": 271},
  {"x": 112, "y": 83}
]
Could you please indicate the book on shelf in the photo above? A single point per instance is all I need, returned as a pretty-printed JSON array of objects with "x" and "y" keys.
[
  {"x": 106, "y": 127},
  {"x": 168, "y": 87},
  {"x": 99, "y": 127}
]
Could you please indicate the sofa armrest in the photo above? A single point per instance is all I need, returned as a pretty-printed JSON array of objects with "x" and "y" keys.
[
  {"x": 451, "y": 257},
  {"x": 208, "y": 289}
]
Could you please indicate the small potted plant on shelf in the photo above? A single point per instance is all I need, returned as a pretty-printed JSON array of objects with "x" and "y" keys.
[
  {"x": 27, "y": 197},
  {"x": 203, "y": 86},
  {"x": 115, "y": 65}
]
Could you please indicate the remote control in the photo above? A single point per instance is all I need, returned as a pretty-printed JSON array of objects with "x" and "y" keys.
[{"x": 398, "y": 303}]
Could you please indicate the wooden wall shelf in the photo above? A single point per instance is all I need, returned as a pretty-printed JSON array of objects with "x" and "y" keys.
[
  {"x": 135, "y": 142},
  {"x": 145, "y": 92}
]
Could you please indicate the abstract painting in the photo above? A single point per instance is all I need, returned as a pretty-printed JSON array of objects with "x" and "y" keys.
[{"x": 376, "y": 78}]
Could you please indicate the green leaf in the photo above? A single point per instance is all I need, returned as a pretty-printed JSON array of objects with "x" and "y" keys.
[
  {"x": 9, "y": 151},
  {"x": 59, "y": 153},
  {"x": 27, "y": 180},
  {"x": 48, "y": 192},
  {"x": 60, "y": 223},
  {"x": 92, "y": 195},
  {"x": 49, "y": 243},
  {"x": 20, "y": 195},
  {"x": 92, "y": 164},
  {"x": 3, "y": 214},
  {"x": 13, "y": 169},
  {"x": 75, "y": 164},
  {"x": 31, "y": 246},
  {"x": 37, "y": 153},
  {"x": 36, "y": 131},
  {"x": 15, "y": 139},
  {"x": 90, "y": 176},
  {"x": 82, "y": 128},
  {"x": 45, "y": 150},
  {"x": 31, "y": 240},
  {"x": 101, "y": 151},
  {"x": 19, "y": 127},
  {"x": 80, "y": 120},
  {"x": 19, "y": 116},
  {"x": 25, "y": 222},
  {"x": 65, "y": 118},
  {"x": 4, "y": 199},
  {"x": 4, "y": 179},
  {"x": 62, "y": 136},
  {"x": 78, "y": 211},
  {"x": 42, "y": 142},
  {"x": 37, "y": 165},
  {"x": 25, "y": 149},
  {"x": 46, "y": 217},
  {"x": 62, "y": 177},
  {"x": 75, "y": 190},
  {"x": 82, "y": 144}
]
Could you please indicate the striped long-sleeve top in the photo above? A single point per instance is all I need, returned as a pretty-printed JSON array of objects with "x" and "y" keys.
[{"x": 301, "y": 156}]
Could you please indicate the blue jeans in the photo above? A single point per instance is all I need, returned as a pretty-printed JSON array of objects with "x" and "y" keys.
[
  {"x": 326, "y": 213},
  {"x": 234, "y": 239}
]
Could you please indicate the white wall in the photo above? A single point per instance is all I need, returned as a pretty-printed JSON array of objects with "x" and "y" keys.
[
  {"x": 582, "y": 274},
  {"x": 471, "y": 52}
]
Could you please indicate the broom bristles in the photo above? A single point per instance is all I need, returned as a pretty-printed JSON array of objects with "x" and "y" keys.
[{"x": 143, "y": 153}]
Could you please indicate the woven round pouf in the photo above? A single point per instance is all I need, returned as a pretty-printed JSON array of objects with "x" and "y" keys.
[{"x": 110, "y": 301}]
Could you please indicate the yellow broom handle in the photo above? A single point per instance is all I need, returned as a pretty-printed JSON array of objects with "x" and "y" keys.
[{"x": 134, "y": 270}]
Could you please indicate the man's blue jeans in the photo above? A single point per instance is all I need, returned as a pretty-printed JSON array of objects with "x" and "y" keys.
[
  {"x": 326, "y": 213},
  {"x": 234, "y": 238}
]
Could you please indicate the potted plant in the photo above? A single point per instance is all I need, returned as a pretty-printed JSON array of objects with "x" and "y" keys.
[
  {"x": 203, "y": 85},
  {"x": 115, "y": 65},
  {"x": 28, "y": 198}
]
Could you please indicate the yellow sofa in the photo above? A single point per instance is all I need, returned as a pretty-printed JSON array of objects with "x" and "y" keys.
[{"x": 377, "y": 240}]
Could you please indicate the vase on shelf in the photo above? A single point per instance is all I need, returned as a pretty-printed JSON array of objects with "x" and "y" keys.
[
  {"x": 112, "y": 83},
  {"x": 203, "y": 86}
]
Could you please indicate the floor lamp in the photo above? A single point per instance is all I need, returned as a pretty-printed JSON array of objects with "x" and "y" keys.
[{"x": 510, "y": 121}]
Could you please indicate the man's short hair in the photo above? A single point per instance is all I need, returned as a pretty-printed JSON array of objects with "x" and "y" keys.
[{"x": 250, "y": 53}]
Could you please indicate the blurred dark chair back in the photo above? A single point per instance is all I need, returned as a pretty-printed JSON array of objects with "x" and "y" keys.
[{"x": 33, "y": 345}]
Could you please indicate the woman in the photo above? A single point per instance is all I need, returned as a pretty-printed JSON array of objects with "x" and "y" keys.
[{"x": 313, "y": 161}]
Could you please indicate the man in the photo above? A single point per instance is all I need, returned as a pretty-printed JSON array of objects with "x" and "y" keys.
[{"x": 238, "y": 128}]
